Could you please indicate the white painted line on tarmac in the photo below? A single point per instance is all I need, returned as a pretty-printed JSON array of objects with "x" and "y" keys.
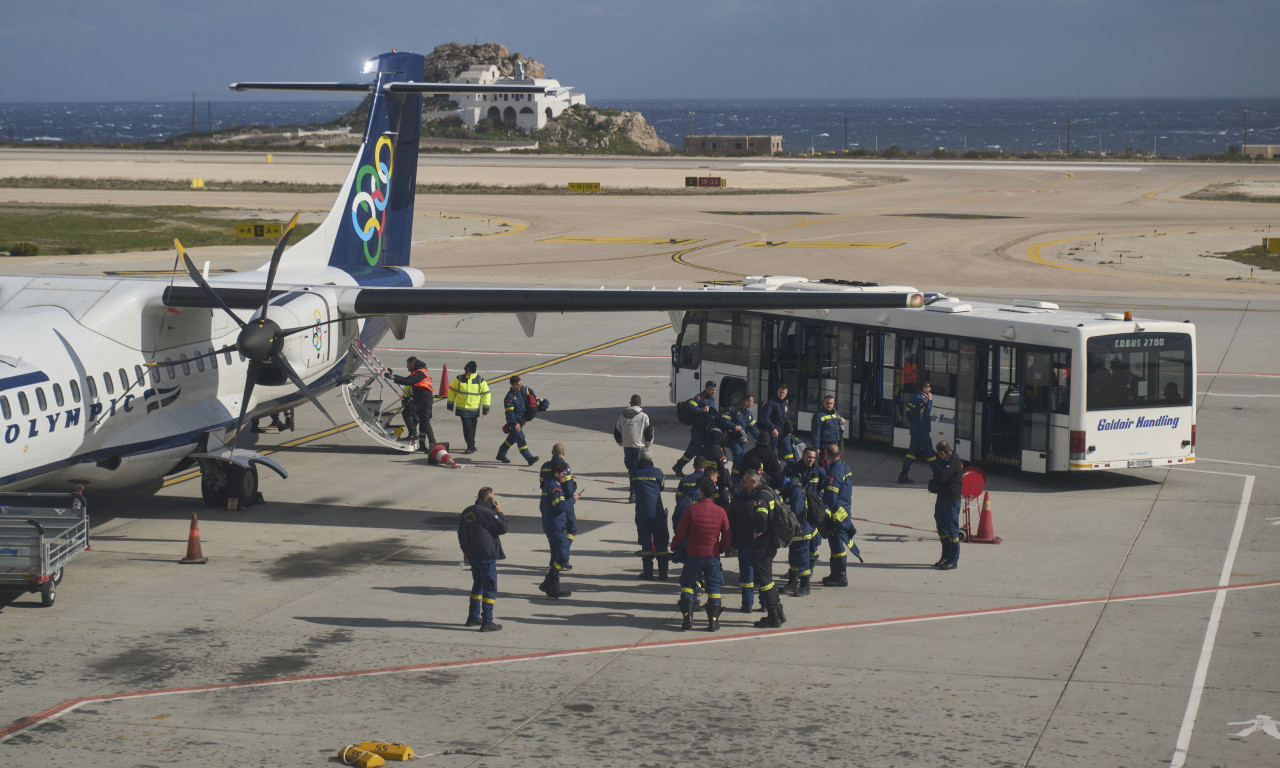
[{"x": 1211, "y": 631}]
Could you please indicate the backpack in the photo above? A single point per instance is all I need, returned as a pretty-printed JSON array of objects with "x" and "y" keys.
[
  {"x": 814, "y": 510},
  {"x": 530, "y": 405},
  {"x": 783, "y": 523},
  {"x": 684, "y": 415}
]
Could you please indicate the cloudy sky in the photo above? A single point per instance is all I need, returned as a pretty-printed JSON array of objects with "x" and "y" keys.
[{"x": 90, "y": 50}]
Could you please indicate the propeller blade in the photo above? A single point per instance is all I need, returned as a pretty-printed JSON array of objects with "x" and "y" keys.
[
  {"x": 204, "y": 284},
  {"x": 283, "y": 364},
  {"x": 250, "y": 379},
  {"x": 275, "y": 259}
]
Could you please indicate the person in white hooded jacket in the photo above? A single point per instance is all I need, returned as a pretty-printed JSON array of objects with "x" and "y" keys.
[{"x": 634, "y": 433}]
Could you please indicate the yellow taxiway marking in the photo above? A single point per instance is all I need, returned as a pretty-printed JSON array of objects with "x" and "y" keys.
[
  {"x": 624, "y": 240},
  {"x": 815, "y": 244}
]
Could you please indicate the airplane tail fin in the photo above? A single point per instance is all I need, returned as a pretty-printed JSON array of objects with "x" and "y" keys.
[
  {"x": 368, "y": 231},
  {"x": 370, "y": 225}
]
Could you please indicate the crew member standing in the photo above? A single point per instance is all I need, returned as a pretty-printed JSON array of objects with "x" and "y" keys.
[
  {"x": 651, "y": 519},
  {"x": 469, "y": 399},
  {"x": 515, "y": 405},
  {"x": 948, "y": 483},
  {"x": 478, "y": 530},
  {"x": 775, "y": 421},
  {"x": 742, "y": 524},
  {"x": 704, "y": 535},
  {"x": 700, "y": 411},
  {"x": 739, "y": 425},
  {"x": 557, "y": 509},
  {"x": 634, "y": 433},
  {"x": 827, "y": 426},
  {"x": 417, "y": 407},
  {"x": 838, "y": 497},
  {"x": 803, "y": 478},
  {"x": 919, "y": 411},
  {"x": 761, "y": 501},
  {"x": 570, "y": 487}
]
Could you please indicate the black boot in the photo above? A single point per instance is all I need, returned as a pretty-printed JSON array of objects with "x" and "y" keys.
[
  {"x": 662, "y": 568},
  {"x": 782, "y": 615},
  {"x": 713, "y": 617},
  {"x": 770, "y": 621},
  {"x": 551, "y": 585},
  {"x": 837, "y": 578},
  {"x": 803, "y": 589},
  {"x": 678, "y": 469},
  {"x": 686, "y": 612},
  {"x": 790, "y": 587}
]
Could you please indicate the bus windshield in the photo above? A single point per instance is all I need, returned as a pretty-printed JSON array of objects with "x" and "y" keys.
[{"x": 1136, "y": 370}]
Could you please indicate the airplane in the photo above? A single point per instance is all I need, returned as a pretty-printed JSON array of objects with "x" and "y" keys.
[{"x": 110, "y": 383}]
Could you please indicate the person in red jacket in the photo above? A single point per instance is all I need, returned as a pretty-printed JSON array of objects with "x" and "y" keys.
[{"x": 704, "y": 534}]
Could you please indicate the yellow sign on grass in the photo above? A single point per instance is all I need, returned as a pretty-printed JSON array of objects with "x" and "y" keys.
[
  {"x": 259, "y": 229},
  {"x": 584, "y": 186}
]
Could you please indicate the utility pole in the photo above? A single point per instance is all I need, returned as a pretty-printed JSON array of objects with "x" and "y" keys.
[
  {"x": 1244, "y": 145},
  {"x": 193, "y": 113},
  {"x": 1068, "y": 135},
  {"x": 846, "y": 135},
  {"x": 691, "y": 131}
]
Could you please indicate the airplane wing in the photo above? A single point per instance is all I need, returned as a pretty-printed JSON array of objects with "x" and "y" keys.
[{"x": 372, "y": 302}]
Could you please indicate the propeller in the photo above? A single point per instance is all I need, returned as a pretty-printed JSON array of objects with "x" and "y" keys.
[{"x": 261, "y": 339}]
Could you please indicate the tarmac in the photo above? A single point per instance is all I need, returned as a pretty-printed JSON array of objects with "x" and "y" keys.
[{"x": 1127, "y": 618}]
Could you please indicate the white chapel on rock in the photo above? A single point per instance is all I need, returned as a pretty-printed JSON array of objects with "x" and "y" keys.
[{"x": 526, "y": 111}]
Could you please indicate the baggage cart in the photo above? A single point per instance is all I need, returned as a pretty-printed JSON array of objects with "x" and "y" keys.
[{"x": 39, "y": 534}]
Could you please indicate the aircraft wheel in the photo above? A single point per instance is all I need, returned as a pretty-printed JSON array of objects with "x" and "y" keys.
[
  {"x": 243, "y": 484},
  {"x": 213, "y": 485}
]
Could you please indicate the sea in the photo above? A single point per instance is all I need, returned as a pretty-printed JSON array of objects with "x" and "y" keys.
[{"x": 1171, "y": 127}]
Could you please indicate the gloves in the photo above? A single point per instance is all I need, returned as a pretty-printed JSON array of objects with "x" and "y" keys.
[
  {"x": 448, "y": 407},
  {"x": 485, "y": 411}
]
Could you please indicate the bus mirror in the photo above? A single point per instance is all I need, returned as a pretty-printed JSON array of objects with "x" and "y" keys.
[{"x": 915, "y": 300}]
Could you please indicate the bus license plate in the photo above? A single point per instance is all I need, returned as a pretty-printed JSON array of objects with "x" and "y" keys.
[{"x": 1140, "y": 463}]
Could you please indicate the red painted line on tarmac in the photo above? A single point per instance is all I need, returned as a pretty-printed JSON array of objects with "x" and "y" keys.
[{"x": 70, "y": 705}]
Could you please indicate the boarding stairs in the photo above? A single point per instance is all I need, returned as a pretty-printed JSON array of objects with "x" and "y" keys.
[{"x": 375, "y": 401}]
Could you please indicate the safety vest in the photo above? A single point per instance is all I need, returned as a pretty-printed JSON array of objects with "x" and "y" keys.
[
  {"x": 469, "y": 393},
  {"x": 425, "y": 383}
]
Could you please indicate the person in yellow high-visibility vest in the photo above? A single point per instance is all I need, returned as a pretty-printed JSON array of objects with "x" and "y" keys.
[{"x": 469, "y": 399}]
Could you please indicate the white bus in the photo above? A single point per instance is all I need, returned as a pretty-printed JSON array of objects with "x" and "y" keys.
[{"x": 1025, "y": 384}]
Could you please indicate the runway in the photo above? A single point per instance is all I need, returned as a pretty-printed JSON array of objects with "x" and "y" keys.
[{"x": 1127, "y": 619}]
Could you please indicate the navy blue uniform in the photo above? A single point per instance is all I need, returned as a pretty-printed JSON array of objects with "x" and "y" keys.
[
  {"x": 702, "y": 420},
  {"x": 919, "y": 411},
  {"x": 651, "y": 521},
  {"x": 737, "y": 422},
  {"x": 825, "y": 430},
  {"x": 838, "y": 498},
  {"x": 515, "y": 404},
  {"x": 946, "y": 508},
  {"x": 775, "y": 417},
  {"x": 557, "y": 512}
]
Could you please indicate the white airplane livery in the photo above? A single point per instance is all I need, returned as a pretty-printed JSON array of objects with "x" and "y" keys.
[{"x": 109, "y": 382}]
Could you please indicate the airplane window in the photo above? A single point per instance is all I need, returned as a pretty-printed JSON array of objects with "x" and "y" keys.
[
  {"x": 106, "y": 380},
  {"x": 124, "y": 379},
  {"x": 75, "y": 391},
  {"x": 23, "y": 404},
  {"x": 200, "y": 364},
  {"x": 186, "y": 367},
  {"x": 92, "y": 388},
  {"x": 168, "y": 365},
  {"x": 137, "y": 371},
  {"x": 155, "y": 375},
  {"x": 4, "y": 408},
  {"x": 226, "y": 355},
  {"x": 57, "y": 395},
  {"x": 213, "y": 358},
  {"x": 40, "y": 398}
]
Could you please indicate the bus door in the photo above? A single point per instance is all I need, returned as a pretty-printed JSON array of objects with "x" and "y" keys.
[
  {"x": 1045, "y": 434},
  {"x": 1002, "y": 403},
  {"x": 686, "y": 360},
  {"x": 875, "y": 386}
]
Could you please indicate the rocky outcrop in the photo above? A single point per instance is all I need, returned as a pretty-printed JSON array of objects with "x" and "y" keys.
[
  {"x": 452, "y": 59},
  {"x": 592, "y": 129}
]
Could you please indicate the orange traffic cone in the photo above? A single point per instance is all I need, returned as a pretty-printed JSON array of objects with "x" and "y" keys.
[
  {"x": 986, "y": 529},
  {"x": 439, "y": 454},
  {"x": 194, "y": 555},
  {"x": 444, "y": 380}
]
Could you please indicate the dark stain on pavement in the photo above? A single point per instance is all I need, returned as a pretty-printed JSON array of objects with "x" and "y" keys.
[{"x": 331, "y": 559}]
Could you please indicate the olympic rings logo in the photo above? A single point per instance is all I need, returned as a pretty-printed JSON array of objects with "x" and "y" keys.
[
  {"x": 369, "y": 205},
  {"x": 317, "y": 333}
]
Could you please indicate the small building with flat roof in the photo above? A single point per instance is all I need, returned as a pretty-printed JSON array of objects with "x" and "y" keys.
[
  {"x": 715, "y": 144},
  {"x": 1268, "y": 151}
]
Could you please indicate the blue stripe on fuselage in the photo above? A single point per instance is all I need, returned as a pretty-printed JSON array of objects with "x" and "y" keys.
[{"x": 22, "y": 380}]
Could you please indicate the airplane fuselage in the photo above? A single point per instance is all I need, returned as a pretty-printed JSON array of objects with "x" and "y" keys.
[{"x": 101, "y": 384}]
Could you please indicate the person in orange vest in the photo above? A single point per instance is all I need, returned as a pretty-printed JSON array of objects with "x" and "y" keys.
[{"x": 419, "y": 395}]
